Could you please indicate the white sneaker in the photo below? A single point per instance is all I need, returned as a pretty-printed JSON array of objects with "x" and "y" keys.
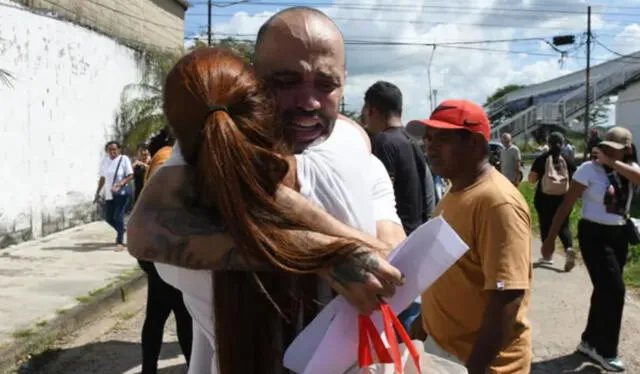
[
  {"x": 613, "y": 364},
  {"x": 570, "y": 260},
  {"x": 585, "y": 348},
  {"x": 543, "y": 261}
]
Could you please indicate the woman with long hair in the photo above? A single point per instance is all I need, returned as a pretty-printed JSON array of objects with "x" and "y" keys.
[
  {"x": 606, "y": 187},
  {"x": 224, "y": 125},
  {"x": 548, "y": 197}
]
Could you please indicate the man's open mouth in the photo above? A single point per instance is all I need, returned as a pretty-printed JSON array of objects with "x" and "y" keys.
[{"x": 306, "y": 133}]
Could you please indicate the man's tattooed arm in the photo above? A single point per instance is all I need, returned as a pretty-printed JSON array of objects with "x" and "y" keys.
[
  {"x": 355, "y": 268},
  {"x": 165, "y": 228}
]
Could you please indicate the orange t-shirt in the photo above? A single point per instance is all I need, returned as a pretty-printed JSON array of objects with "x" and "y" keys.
[
  {"x": 493, "y": 218},
  {"x": 161, "y": 156}
]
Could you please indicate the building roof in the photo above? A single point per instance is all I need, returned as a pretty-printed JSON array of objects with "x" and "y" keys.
[{"x": 183, "y": 3}]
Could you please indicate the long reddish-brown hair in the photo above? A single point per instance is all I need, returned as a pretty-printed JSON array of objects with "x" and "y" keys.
[{"x": 238, "y": 157}]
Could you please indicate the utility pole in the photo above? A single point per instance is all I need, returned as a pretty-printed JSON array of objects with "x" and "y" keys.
[
  {"x": 587, "y": 88},
  {"x": 433, "y": 52},
  {"x": 435, "y": 97},
  {"x": 209, "y": 5},
  {"x": 342, "y": 105}
]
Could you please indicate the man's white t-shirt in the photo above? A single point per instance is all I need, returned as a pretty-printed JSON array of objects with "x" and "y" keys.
[
  {"x": 594, "y": 177},
  {"x": 341, "y": 175},
  {"x": 108, "y": 171}
]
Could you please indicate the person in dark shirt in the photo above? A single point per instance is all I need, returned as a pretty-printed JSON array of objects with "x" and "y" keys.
[
  {"x": 594, "y": 140},
  {"x": 399, "y": 153},
  {"x": 140, "y": 168},
  {"x": 546, "y": 205},
  {"x": 405, "y": 162}
]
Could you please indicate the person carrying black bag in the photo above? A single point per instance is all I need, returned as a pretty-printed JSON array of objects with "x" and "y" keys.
[
  {"x": 115, "y": 174},
  {"x": 605, "y": 231}
]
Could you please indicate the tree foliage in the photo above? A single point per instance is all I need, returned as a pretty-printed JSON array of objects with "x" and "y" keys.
[
  {"x": 598, "y": 113},
  {"x": 140, "y": 114},
  {"x": 500, "y": 92},
  {"x": 351, "y": 114}
]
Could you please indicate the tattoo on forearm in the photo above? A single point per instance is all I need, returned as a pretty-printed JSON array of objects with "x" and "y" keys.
[
  {"x": 171, "y": 243},
  {"x": 189, "y": 222},
  {"x": 355, "y": 269}
]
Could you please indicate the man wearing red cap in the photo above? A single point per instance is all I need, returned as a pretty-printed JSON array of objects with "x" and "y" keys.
[{"x": 476, "y": 312}]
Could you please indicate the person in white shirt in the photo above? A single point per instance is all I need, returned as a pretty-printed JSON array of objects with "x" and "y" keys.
[
  {"x": 115, "y": 172},
  {"x": 606, "y": 186},
  {"x": 165, "y": 228}
]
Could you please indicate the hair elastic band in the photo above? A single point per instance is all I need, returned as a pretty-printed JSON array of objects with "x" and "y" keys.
[
  {"x": 213, "y": 109},
  {"x": 216, "y": 108}
]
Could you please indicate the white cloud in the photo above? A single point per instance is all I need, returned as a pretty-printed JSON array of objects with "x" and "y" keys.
[
  {"x": 628, "y": 41},
  {"x": 462, "y": 72}
]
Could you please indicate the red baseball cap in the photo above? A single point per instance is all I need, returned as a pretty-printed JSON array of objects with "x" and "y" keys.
[{"x": 454, "y": 115}]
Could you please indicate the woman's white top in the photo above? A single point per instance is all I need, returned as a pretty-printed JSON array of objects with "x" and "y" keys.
[
  {"x": 342, "y": 176},
  {"x": 593, "y": 176},
  {"x": 108, "y": 171}
]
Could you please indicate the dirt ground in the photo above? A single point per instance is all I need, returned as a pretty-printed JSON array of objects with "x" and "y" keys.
[{"x": 558, "y": 314}]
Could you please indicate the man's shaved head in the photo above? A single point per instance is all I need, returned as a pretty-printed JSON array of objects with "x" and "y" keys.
[
  {"x": 297, "y": 14},
  {"x": 300, "y": 57}
]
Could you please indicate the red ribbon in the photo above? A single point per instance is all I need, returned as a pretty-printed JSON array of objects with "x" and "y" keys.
[{"x": 368, "y": 332}]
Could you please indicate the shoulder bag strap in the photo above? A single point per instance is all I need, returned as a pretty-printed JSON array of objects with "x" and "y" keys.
[{"x": 115, "y": 175}]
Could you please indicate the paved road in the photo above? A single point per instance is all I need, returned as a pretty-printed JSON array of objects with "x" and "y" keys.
[
  {"x": 559, "y": 310},
  {"x": 111, "y": 346},
  {"x": 558, "y": 314}
]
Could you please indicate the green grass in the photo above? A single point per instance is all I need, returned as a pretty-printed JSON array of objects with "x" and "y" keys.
[
  {"x": 22, "y": 334},
  {"x": 83, "y": 299},
  {"x": 632, "y": 270},
  {"x": 528, "y": 190},
  {"x": 42, "y": 323}
]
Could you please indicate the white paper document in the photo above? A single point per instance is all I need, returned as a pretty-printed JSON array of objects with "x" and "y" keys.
[{"x": 329, "y": 344}]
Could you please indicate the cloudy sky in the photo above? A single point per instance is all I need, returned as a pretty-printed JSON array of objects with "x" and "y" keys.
[{"x": 386, "y": 40}]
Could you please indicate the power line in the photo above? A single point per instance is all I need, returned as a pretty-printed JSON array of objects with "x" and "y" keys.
[
  {"x": 250, "y": 38},
  {"x": 553, "y": 3},
  {"x": 241, "y": 37},
  {"x": 464, "y": 42},
  {"x": 440, "y": 8},
  {"x": 418, "y": 22},
  {"x": 629, "y": 56}
]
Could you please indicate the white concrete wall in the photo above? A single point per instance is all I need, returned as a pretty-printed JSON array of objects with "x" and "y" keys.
[
  {"x": 628, "y": 111},
  {"x": 55, "y": 119}
]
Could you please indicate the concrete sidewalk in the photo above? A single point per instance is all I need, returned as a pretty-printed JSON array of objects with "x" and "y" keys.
[{"x": 42, "y": 280}]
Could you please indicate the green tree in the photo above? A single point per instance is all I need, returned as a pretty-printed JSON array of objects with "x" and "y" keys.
[
  {"x": 244, "y": 47},
  {"x": 351, "y": 114},
  {"x": 140, "y": 113},
  {"x": 598, "y": 113},
  {"x": 500, "y": 92}
]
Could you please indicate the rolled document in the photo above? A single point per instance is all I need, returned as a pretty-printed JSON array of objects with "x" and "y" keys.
[{"x": 329, "y": 343}]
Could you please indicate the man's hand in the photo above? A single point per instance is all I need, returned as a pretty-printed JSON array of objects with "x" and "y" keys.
[
  {"x": 364, "y": 278},
  {"x": 497, "y": 329}
]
